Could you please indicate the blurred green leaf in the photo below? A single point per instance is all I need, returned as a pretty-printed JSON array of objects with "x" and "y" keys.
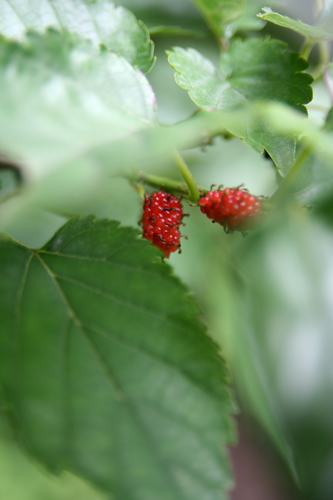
[
  {"x": 106, "y": 372},
  {"x": 314, "y": 182},
  {"x": 253, "y": 68},
  {"x": 269, "y": 302},
  {"x": 170, "y": 13},
  {"x": 284, "y": 120},
  {"x": 59, "y": 98},
  {"x": 219, "y": 13},
  {"x": 325, "y": 17},
  {"x": 285, "y": 340},
  {"x": 316, "y": 33},
  {"x": 99, "y": 20},
  {"x": 228, "y": 297}
]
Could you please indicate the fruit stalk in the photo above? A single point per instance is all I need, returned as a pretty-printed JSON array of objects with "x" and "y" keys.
[
  {"x": 194, "y": 193},
  {"x": 163, "y": 183}
]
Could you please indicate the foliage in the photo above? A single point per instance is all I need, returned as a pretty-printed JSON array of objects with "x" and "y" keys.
[
  {"x": 108, "y": 378},
  {"x": 320, "y": 31}
]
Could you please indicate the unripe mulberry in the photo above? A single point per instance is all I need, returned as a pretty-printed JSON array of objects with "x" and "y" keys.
[
  {"x": 233, "y": 208},
  {"x": 162, "y": 216}
]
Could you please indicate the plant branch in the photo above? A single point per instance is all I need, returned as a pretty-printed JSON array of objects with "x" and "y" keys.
[
  {"x": 324, "y": 59},
  {"x": 162, "y": 182},
  {"x": 306, "y": 49},
  {"x": 194, "y": 193}
]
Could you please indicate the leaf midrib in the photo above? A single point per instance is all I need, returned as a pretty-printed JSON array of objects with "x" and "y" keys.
[
  {"x": 163, "y": 319},
  {"x": 115, "y": 386}
]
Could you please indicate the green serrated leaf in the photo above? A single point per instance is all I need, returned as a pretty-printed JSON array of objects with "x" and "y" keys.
[
  {"x": 100, "y": 21},
  {"x": 105, "y": 370},
  {"x": 252, "y": 69},
  {"x": 321, "y": 31},
  {"x": 264, "y": 68},
  {"x": 219, "y": 13}
]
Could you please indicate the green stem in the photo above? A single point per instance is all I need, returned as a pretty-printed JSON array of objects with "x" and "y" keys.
[
  {"x": 159, "y": 182},
  {"x": 324, "y": 52},
  {"x": 299, "y": 162},
  {"x": 194, "y": 193},
  {"x": 324, "y": 59},
  {"x": 162, "y": 182},
  {"x": 306, "y": 49}
]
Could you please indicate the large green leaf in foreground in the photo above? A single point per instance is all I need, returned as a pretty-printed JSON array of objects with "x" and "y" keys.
[
  {"x": 252, "y": 69},
  {"x": 100, "y": 21},
  {"x": 106, "y": 372}
]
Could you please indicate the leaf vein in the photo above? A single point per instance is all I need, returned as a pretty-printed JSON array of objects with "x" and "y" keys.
[
  {"x": 117, "y": 392},
  {"x": 16, "y": 12},
  {"x": 150, "y": 355},
  {"x": 112, "y": 297},
  {"x": 163, "y": 463},
  {"x": 118, "y": 265}
]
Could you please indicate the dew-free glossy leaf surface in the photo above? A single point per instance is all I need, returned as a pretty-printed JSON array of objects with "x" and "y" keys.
[
  {"x": 252, "y": 69},
  {"x": 100, "y": 21},
  {"x": 106, "y": 371}
]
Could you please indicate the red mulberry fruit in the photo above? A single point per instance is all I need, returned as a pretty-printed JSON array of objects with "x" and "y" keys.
[
  {"x": 162, "y": 216},
  {"x": 233, "y": 208}
]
